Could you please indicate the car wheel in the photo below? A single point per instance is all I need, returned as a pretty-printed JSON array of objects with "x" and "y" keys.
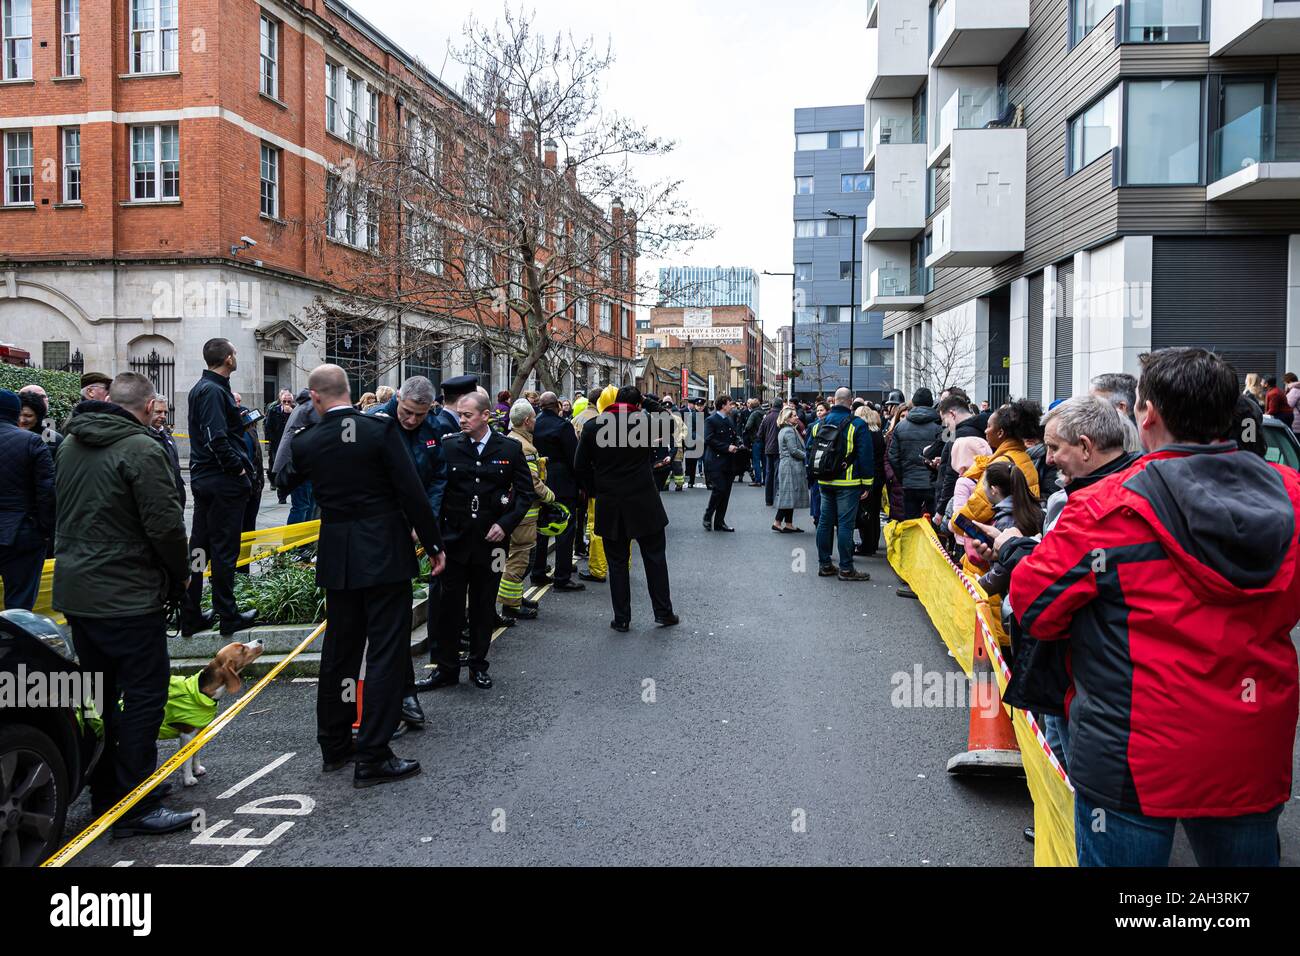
[{"x": 33, "y": 796}]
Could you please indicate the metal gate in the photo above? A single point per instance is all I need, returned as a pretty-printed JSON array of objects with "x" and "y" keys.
[{"x": 162, "y": 372}]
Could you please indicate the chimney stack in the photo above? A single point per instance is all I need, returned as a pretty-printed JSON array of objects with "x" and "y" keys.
[
  {"x": 571, "y": 171},
  {"x": 503, "y": 118},
  {"x": 550, "y": 154}
]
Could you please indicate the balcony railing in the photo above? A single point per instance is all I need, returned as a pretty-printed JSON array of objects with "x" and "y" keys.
[
  {"x": 895, "y": 288},
  {"x": 1257, "y": 155},
  {"x": 967, "y": 108},
  {"x": 889, "y": 131}
]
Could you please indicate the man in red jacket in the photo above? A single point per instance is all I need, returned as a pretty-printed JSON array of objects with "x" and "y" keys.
[{"x": 1177, "y": 583}]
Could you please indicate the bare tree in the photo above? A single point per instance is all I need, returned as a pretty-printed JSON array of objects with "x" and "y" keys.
[
  {"x": 823, "y": 344},
  {"x": 944, "y": 358},
  {"x": 497, "y": 244}
]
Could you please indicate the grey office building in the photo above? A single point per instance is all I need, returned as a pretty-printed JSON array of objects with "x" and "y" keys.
[{"x": 829, "y": 175}]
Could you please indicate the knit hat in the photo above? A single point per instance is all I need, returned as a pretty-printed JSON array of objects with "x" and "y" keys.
[
  {"x": 10, "y": 406},
  {"x": 607, "y": 398}
]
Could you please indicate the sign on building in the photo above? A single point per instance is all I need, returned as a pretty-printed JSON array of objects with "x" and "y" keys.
[{"x": 697, "y": 318}]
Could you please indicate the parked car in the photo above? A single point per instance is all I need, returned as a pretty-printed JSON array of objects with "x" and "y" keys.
[
  {"x": 1283, "y": 447},
  {"x": 48, "y": 748}
]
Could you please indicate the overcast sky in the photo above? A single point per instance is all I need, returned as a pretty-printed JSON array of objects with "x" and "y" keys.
[{"x": 721, "y": 77}]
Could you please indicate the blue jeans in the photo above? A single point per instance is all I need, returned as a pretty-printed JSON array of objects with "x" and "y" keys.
[
  {"x": 839, "y": 511},
  {"x": 1057, "y": 731},
  {"x": 304, "y": 504},
  {"x": 756, "y": 459},
  {"x": 1115, "y": 838},
  {"x": 814, "y": 501}
]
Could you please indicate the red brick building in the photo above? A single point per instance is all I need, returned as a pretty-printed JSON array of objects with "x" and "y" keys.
[
  {"x": 144, "y": 142},
  {"x": 733, "y": 328}
]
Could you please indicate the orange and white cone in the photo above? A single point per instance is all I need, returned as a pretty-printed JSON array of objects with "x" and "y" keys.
[{"x": 992, "y": 750}]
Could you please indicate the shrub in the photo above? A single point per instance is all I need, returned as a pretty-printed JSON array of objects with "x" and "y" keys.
[{"x": 63, "y": 388}]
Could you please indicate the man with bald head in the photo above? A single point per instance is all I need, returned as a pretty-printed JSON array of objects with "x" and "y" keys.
[
  {"x": 557, "y": 442},
  {"x": 370, "y": 498}
]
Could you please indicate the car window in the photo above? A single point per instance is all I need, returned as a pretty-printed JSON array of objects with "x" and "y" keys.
[{"x": 1281, "y": 447}]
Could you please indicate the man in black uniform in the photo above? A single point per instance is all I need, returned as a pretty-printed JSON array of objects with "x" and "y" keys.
[
  {"x": 221, "y": 480},
  {"x": 489, "y": 490},
  {"x": 370, "y": 497},
  {"x": 720, "y": 447},
  {"x": 557, "y": 442}
]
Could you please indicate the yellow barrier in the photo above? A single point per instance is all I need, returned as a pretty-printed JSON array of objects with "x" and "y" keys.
[
  {"x": 254, "y": 546},
  {"x": 955, "y": 604}
]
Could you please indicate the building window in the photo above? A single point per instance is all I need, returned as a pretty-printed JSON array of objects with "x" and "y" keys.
[
  {"x": 353, "y": 88},
  {"x": 270, "y": 181},
  {"x": 478, "y": 266},
  {"x": 850, "y": 270},
  {"x": 802, "y": 357},
  {"x": 372, "y": 120},
  {"x": 18, "y": 167},
  {"x": 269, "y": 74},
  {"x": 351, "y": 214},
  {"x": 16, "y": 29},
  {"x": 424, "y": 235},
  {"x": 1166, "y": 21},
  {"x": 845, "y": 139},
  {"x": 857, "y": 182},
  {"x": 1095, "y": 131},
  {"x": 72, "y": 164},
  {"x": 1163, "y": 132},
  {"x": 820, "y": 228},
  {"x": 155, "y": 162},
  {"x": 606, "y": 317},
  {"x": 810, "y": 141},
  {"x": 1246, "y": 133},
  {"x": 627, "y": 323},
  {"x": 70, "y": 39},
  {"x": 1086, "y": 14},
  {"x": 370, "y": 216},
  {"x": 803, "y": 185},
  {"x": 55, "y": 355},
  {"x": 803, "y": 272},
  {"x": 154, "y": 32},
  {"x": 844, "y": 358},
  {"x": 931, "y": 191},
  {"x": 333, "y": 76}
]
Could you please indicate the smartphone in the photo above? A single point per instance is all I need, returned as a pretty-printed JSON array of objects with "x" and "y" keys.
[{"x": 972, "y": 530}]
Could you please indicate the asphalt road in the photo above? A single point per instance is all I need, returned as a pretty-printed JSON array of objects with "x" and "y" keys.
[{"x": 706, "y": 744}]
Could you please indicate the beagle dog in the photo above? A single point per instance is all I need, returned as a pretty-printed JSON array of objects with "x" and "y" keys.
[{"x": 192, "y": 701}]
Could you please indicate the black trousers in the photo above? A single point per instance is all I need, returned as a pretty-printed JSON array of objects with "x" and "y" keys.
[
  {"x": 131, "y": 655},
  {"x": 251, "y": 507},
  {"x": 374, "y": 622},
  {"x": 654, "y": 553},
  {"x": 472, "y": 586},
  {"x": 20, "y": 570},
  {"x": 219, "y": 503},
  {"x": 563, "y": 547},
  {"x": 769, "y": 479},
  {"x": 720, "y": 497},
  {"x": 691, "y": 465},
  {"x": 917, "y": 502},
  {"x": 869, "y": 520}
]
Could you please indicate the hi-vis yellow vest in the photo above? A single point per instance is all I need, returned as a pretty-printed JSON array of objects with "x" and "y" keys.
[{"x": 850, "y": 457}]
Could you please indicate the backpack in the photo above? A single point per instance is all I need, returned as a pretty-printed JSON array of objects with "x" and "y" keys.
[{"x": 827, "y": 453}]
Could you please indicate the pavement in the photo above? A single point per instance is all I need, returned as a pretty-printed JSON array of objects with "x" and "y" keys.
[{"x": 761, "y": 731}]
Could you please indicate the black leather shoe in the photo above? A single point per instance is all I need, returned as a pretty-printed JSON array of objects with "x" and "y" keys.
[
  {"x": 621, "y": 626},
  {"x": 723, "y": 527},
  {"x": 481, "y": 680},
  {"x": 708, "y": 524},
  {"x": 412, "y": 713},
  {"x": 385, "y": 771},
  {"x": 437, "y": 680},
  {"x": 672, "y": 620},
  {"x": 156, "y": 822},
  {"x": 192, "y": 624},
  {"x": 519, "y": 613},
  {"x": 539, "y": 582},
  {"x": 587, "y": 576},
  {"x": 242, "y": 623},
  {"x": 503, "y": 621},
  {"x": 906, "y": 592},
  {"x": 531, "y": 605},
  {"x": 333, "y": 766},
  {"x": 569, "y": 586}
]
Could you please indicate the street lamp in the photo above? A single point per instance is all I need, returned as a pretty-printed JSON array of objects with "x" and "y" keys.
[
  {"x": 794, "y": 319},
  {"x": 853, "y": 292}
]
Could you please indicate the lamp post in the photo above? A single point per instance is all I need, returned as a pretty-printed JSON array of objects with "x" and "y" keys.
[
  {"x": 794, "y": 319},
  {"x": 853, "y": 292}
]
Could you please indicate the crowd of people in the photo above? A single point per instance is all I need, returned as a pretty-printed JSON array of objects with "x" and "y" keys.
[{"x": 1142, "y": 552}]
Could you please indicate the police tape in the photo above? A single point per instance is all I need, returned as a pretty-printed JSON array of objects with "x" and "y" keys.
[{"x": 114, "y": 813}]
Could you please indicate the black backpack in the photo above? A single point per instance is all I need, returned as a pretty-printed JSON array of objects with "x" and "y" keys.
[{"x": 826, "y": 459}]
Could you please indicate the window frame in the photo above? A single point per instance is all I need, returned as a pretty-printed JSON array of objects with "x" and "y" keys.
[
  {"x": 15, "y": 41},
  {"x": 333, "y": 97},
  {"x": 157, "y": 163},
  {"x": 7, "y": 167},
  {"x": 275, "y": 212},
  {"x": 1124, "y": 37},
  {"x": 1203, "y": 138},
  {"x": 1073, "y": 38},
  {"x": 158, "y": 51},
  {"x": 798, "y": 277},
  {"x": 69, "y": 39},
  {"x": 812, "y": 185},
  {"x": 869, "y": 177},
  {"x": 69, "y": 168},
  {"x": 268, "y": 80},
  {"x": 1119, "y": 89}
]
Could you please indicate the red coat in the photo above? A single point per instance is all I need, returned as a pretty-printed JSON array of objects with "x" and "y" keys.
[{"x": 1177, "y": 583}]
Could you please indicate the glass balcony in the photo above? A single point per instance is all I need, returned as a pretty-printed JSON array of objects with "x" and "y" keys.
[
  {"x": 895, "y": 289},
  {"x": 1257, "y": 155},
  {"x": 967, "y": 108},
  {"x": 889, "y": 131}
]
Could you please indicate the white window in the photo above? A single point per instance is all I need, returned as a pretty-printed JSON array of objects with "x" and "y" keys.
[
  {"x": 372, "y": 120},
  {"x": 1095, "y": 131},
  {"x": 810, "y": 141},
  {"x": 803, "y": 185},
  {"x": 270, "y": 188},
  {"x": 269, "y": 57},
  {"x": 606, "y": 316},
  {"x": 72, "y": 164},
  {"x": 16, "y": 31},
  {"x": 154, "y": 33},
  {"x": 370, "y": 218},
  {"x": 18, "y": 167},
  {"x": 420, "y": 143},
  {"x": 627, "y": 323},
  {"x": 155, "y": 163},
  {"x": 351, "y": 216},
  {"x": 354, "y": 88},
  {"x": 333, "y": 76},
  {"x": 70, "y": 42},
  {"x": 478, "y": 266},
  {"x": 425, "y": 242}
]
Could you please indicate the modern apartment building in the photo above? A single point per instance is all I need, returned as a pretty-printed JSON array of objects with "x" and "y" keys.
[
  {"x": 1063, "y": 185},
  {"x": 831, "y": 186},
  {"x": 165, "y": 162},
  {"x": 703, "y": 287}
]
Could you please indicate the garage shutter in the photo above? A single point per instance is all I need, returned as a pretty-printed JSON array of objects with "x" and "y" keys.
[
  {"x": 1034, "y": 358},
  {"x": 1065, "y": 330},
  {"x": 1222, "y": 293}
]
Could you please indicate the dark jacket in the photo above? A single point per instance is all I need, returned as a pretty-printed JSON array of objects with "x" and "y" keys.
[
  {"x": 120, "y": 546},
  {"x": 26, "y": 488},
  {"x": 164, "y": 438},
  {"x": 216, "y": 430},
  {"x": 912, "y": 436},
  {"x": 494, "y": 488},
  {"x": 369, "y": 496},
  {"x": 752, "y": 423},
  {"x": 557, "y": 442},
  {"x": 946, "y": 483},
  {"x": 276, "y": 418},
  {"x": 1047, "y": 474},
  {"x": 302, "y": 417},
  {"x": 424, "y": 445},
  {"x": 860, "y": 467},
  {"x": 719, "y": 435},
  {"x": 620, "y": 478},
  {"x": 1176, "y": 584},
  {"x": 769, "y": 434}
]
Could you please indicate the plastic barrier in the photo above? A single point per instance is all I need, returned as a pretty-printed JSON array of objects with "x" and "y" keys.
[
  {"x": 959, "y": 610},
  {"x": 254, "y": 546}
]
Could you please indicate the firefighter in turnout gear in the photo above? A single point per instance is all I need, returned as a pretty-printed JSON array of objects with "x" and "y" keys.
[
  {"x": 489, "y": 491},
  {"x": 511, "y": 593}
]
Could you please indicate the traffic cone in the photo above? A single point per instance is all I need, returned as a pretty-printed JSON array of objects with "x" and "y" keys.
[{"x": 992, "y": 748}]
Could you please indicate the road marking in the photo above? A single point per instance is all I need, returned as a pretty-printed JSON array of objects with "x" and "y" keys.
[{"x": 278, "y": 761}]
